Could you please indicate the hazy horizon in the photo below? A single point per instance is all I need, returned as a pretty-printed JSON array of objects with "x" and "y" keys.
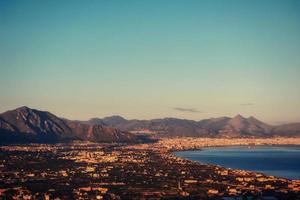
[{"x": 152, "y": 59}]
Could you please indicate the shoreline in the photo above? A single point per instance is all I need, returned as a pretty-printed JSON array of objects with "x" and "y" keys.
[
  {"x": 183, "y": 144},
  {"x": 189, "y": 143},
  {"x": 232, "y": 167},
  {"x": 229, "y": 146}
]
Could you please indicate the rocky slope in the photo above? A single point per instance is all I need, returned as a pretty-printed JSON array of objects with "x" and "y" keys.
[{"x": 29, "y": 125}]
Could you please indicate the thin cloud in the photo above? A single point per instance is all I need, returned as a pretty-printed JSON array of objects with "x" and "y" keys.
[
  {"x": 190, "y": 110},
  {"x": 247, "y": 104}
]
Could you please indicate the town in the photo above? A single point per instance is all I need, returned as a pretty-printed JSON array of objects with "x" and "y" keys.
[
  {"x": 188, "y": 143},
  {"x": 86, "y": 170}
]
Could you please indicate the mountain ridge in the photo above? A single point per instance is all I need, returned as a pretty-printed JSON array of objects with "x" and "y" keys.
[
  {"x": 26, "y": 124},
  {"x": 237, "y": 126}
]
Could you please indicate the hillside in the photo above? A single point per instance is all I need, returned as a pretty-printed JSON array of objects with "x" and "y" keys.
[{"x": 29, "y": 125}]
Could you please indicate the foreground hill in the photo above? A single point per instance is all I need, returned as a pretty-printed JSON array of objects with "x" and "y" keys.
[
  {"x": 29, "y": 125},
  {"x": 237, "y": 126}
]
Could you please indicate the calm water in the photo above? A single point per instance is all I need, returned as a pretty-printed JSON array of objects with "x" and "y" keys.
[{"x": 281, "y": 161}]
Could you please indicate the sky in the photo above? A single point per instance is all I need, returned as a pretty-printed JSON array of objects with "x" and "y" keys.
[{"x": 190, "y": 59}]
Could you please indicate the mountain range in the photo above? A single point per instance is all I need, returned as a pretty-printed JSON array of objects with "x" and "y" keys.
[
  {"x": 237, "y": 126},
  {"x": 30, "y": 125}
]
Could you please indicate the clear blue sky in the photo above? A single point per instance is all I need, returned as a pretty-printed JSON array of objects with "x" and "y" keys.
[{"x": 150, "y": 59}]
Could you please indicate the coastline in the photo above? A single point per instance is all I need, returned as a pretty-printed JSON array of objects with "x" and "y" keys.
[
  {"x": 266, "y": 169},
  {"x": 170, "y": 146},
  {"x": 189, "y": 143}
]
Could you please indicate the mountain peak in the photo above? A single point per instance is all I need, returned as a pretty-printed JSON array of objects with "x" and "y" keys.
[
  {"x": 23, "y": 108},
  {"x": 96, "y": 121},
  {"x": 252, "y": 118},
  {"x": 115, "y": 117},
  {"x": 238, "y": 116}
]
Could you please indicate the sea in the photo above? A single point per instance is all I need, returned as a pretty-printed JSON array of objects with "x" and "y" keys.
[{"x": 280, "y": 161}]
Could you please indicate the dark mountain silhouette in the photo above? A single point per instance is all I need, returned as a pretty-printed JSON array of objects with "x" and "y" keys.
[{"x": 29, "y": 125}]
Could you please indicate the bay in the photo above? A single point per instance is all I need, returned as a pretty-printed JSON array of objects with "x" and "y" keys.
[{"x": 280, "y": 161}]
